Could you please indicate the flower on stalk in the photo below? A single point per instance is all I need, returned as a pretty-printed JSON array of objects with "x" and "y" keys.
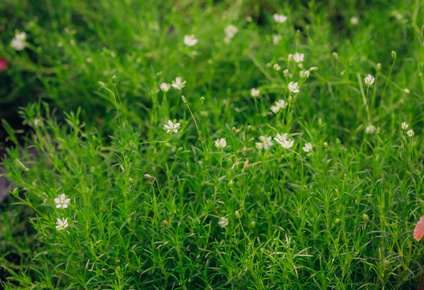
[
  {"x": 255, "y": 92},
  {"x": 307, "y": 148},
  {"x": 165, "y": 87},
  {"x": 304, "y": 74},
  {"x": 280, "y": 104},
  {"x": 410, "y": 133},
  {"x": 293, "y": 87},
  {"x": 223, "y": 222},
  {"x": 178, "y": 83},
  {"x": 370, "y": 129},
  {"x": 279, "y": 18},
  {"x": 265, "y": 142},
  {"x": 231, "y": 31},
  {"x": 369, "y": 80},
  {"x": 61, "y": 224},
  {"x": 283, "y": 141},
  {"x": 404, "y": 125},
  {"x": 298, "y": 57},
  {"x": 220, "y": 143},
  {"x": 190, "y": 40},
  {"x": 62, "y": 201},
  {"x": 276, "y": 67},
  {"x": 276, "y": 38},
  {"x": 18, "y": 42},
  {"x": 171, "y": 127}
]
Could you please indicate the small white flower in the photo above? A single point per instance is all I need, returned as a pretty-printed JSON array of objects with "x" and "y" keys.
[
  {"x": 287, "y": 144},
  {"x": 171, "y": 127},
  {"x": 190, "y": 40},
  {"x": 404, "y": 125},
  {"x": 282, "y": 104},
  {"x": 283, "y": 141},
  {"x": 308, "y": 147},
  {"x": 220, "y": 143},
  {"x": 61, "y": 224},
  {"x": 275, "y": 109},
  {"x": 276, "y": 67},
  {"x": 293, "y": 87},
  {"x": 369, "y": 80},
  {"x": 178, "y": 83},
  {"x": 298, "y": 57},
  {"x": 410, "y": 133},
  {"x": 18, "y": 42},
  {"x": 370, "y": 129},
  {"x": 165, "y": 87},
  {"x": 231, "y": 31},
  {"x": 266, "y": 141},
  {"x": 354, "y": 20},
  {"x": 279, "y": 18},
  {"x": 304, "y": 74},
  {"x": 255, "y": 92},
  {"x": 259, "y": 145},
  {"x": 62, "y": 201},
  {"x": 223, "y": 222},
  {"x": 276, "y": 38}
]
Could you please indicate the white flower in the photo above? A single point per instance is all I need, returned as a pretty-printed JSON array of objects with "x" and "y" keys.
[
  {"x": 266, "y": 142},
  {"x": 61, "y": 224},
  {"x": 284, "y": 142},
  {"x": 280, "y": 104},
  {"x": 404, "y": 125},
  {"x": 298, "y": 57},
  {"x": 220, "y": 143},
  {"x": 190, "y": 40},
  {"x": 171, "y": 127},
  {"x": 304, "y": 74},
  {"x": 354, "y": 20},
  {"x": 370, "y": 129},
  {"x": 369, "y": 80},
  {"x": 308, "y": 147},
  {"x": 255, "y": 92},
  {"x": 410, "y": 133},
  {"x": 276, "y": 38},
  {"x": 62, "y": 201},
  {"x": 18, "y": 42},
  {"x": 178, "y": 83},
  {"x": 259, "y": 146},
  {"x": 276, "y": 67},
  {"x": 279, "y": 18},
  {"x": 223, "y": 222},
  {"x": 293, "y": 87},
  {"x": 275, "y": 109},
  {"x": 231, "y": 31},
  {"x": 165, "y": 87}
]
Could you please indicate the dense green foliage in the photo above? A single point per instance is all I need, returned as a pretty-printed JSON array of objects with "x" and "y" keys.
[{"x": 149, "y": 209}]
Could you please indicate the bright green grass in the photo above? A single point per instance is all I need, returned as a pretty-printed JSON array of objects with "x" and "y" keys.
[{"x": 145, "y": 205}]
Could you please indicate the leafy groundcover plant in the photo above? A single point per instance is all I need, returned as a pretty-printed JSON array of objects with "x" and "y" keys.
[{"x": 214, "y": 145}]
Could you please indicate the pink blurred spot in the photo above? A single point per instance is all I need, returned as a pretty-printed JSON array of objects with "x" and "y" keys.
[
  {"x": 419, "y": 229},
  {"x": 3, "y": 64}
]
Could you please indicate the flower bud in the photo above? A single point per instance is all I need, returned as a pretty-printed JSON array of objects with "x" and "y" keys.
[
  {"x": 314, "y": 68},
  {"x": 286, "y": 73},
  {"x": 114, "y": 79},
  {"x": 394, "y": 55},
  {"x": 365, "y": 217},
  {"x": 102, "y": 84},
  {"x": 378, "y": 67},
  {"x": 184, "y": 99},
  {"x": 290, "y": 57},
  {"x": 202, "y": 99},
  {"x": 238, "y": 215}
]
